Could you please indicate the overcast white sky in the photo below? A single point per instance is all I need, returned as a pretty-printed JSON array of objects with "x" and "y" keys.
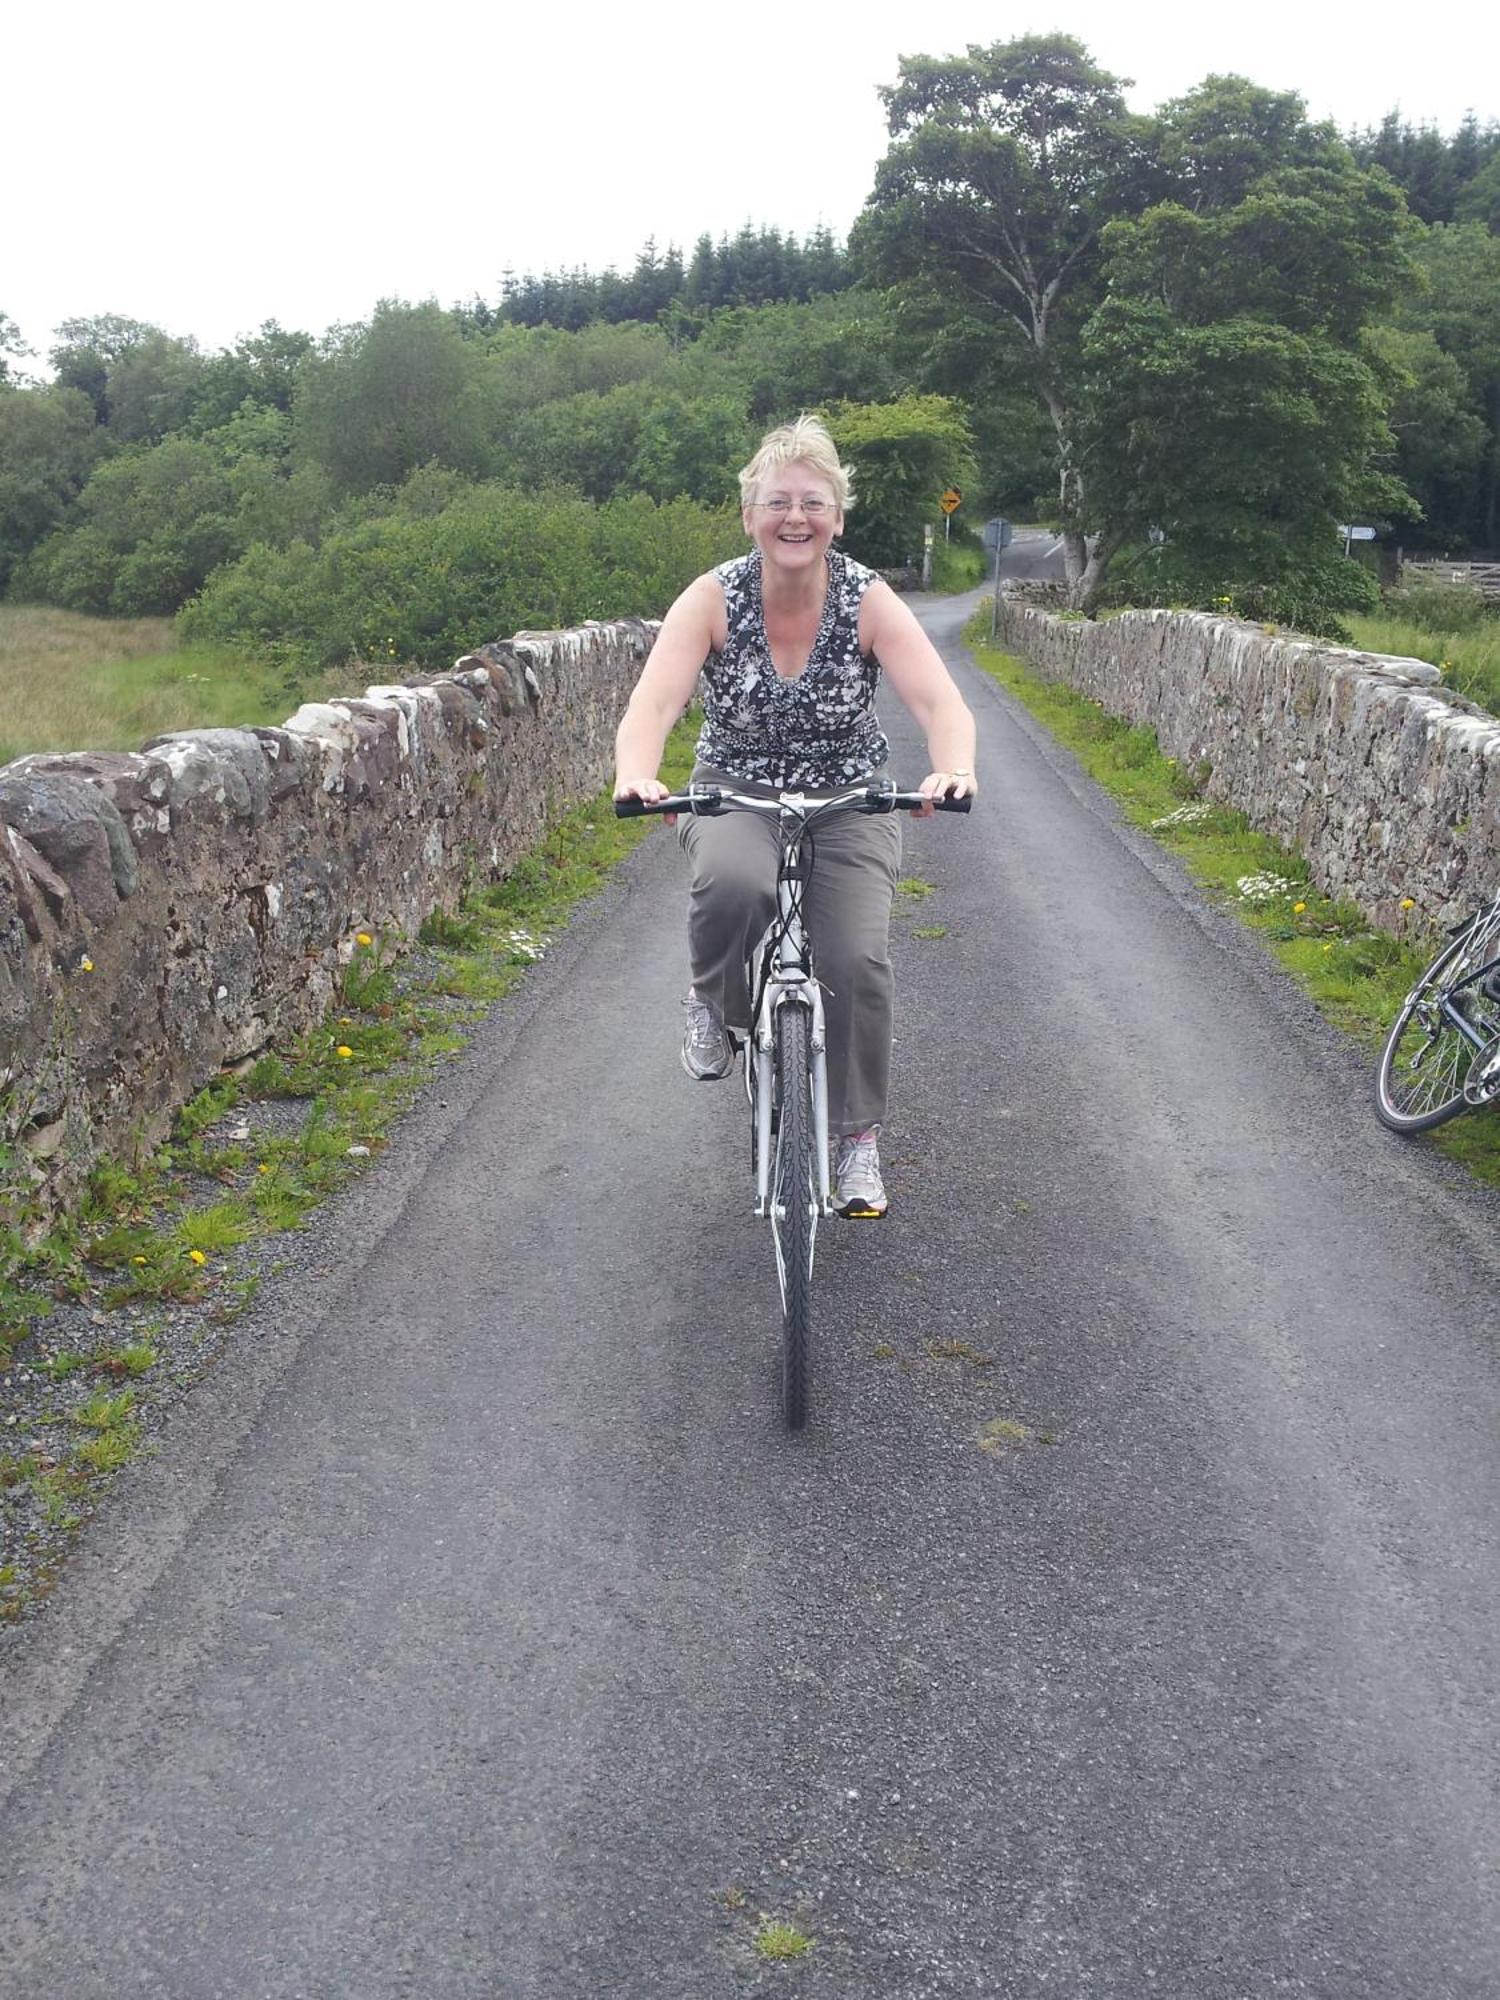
[{"x": 209, "y": 168}]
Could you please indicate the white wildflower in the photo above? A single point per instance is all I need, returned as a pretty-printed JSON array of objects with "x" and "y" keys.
[
  {"x": 1195, "y": 811},
  {"x": 1264, "y": 887}
]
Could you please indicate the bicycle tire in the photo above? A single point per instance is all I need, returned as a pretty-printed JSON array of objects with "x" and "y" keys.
[
  {"x": 1419, "y": 1083},
  {"x": 793, "y": 1194}
]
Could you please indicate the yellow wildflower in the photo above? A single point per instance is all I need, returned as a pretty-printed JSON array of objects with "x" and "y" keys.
[
  {"x": 85, "y": 965},
  {"x": 196, "y": 1257},
  {"x": 363, "y": 937},
  {"x": 137, "y": 1260},
  {"x": 1328, "y": 947},
  {"x": 1298, "y": 908},
  {"x": 343, "y": 1052},
  {"x": 262, "y": 1168},
  {"x": 1408, "y": 902}
]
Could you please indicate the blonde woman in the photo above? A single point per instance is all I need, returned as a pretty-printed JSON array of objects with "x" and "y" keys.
[{"x": 790, "y": 640}]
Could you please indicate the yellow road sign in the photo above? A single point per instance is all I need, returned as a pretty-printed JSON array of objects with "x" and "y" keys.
[{"x": 951, "y": 499}]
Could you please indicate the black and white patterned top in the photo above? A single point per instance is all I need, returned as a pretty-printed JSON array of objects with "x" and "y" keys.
[{"x": 816, "y": 732}]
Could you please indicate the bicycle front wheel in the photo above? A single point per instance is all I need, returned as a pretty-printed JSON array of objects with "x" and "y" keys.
[
  {"x": 794, "y": 1197},
  {"x": 1426, "y": 1059}
]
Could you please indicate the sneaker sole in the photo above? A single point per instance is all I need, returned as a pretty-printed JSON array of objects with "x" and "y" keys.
[
  {"x": 860, "y": 1212},
  {"x": 707, "y": 1075}
]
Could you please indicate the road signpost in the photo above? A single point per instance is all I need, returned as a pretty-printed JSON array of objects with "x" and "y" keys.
[
  {"x": 1355, "y": 535},
  {"x": 951, "y": 499},
  {"x": 998, "y": 535}
]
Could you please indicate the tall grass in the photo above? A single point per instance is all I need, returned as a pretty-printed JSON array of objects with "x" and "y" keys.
[
  {"x": 73, "y": 682},
  {"x": 958, "y": 565},
  {"x": 1470, "y": 660}
]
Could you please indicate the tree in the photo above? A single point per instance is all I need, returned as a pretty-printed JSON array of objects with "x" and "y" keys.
[
  {"x": 904, "y": 454},
  {"x": 1239, "y": 444},
  {"x": 383, "y": 398},
  {"x": 12, "y": 348},
  {"x": 1480, "y": 200},
  {"x": 1021, "y": 204},
  {"x": 87, "y": 349},
  {"x": 150, "y": 389},
  {"x": 1441, "y": 438},
  {"x": 149, "y": 527},
  {"x": 49, "y": 442},
  {"x": 788, "y": 358},
  {"x": 1230, "y": 406},
  {"x": 1461, "y": 309},
  {"x": 1004, "y": 168},
  {"x": 260, "y": 369},
  {"x": 690, "y": 448}
]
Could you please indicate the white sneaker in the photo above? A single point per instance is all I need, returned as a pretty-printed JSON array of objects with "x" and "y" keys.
[
  {"x": 707, "y": 1051},
  {"x": 859, "y": 1192}
]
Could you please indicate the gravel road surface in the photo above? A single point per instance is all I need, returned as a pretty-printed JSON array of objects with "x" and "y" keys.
[{"x": 1124, "y": 1623}]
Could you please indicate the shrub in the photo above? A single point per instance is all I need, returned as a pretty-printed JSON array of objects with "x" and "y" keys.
[
  {"x": 1439, "y": 606},
  {"x": 405, "y": 587}
]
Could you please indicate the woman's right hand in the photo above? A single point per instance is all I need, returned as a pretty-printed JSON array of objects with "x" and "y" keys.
[{"x": 648, "y": 790}]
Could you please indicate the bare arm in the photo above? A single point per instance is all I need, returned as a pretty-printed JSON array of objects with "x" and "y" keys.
[
  {"x": 687, "y": 636},
  {"x": 915, "y": 670}
]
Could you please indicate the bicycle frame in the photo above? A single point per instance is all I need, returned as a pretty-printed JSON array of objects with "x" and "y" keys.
[{"x": 781, "y": 975}]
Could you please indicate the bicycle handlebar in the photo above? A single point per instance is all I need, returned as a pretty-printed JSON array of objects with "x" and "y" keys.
[{"x": 705, "y": 801}]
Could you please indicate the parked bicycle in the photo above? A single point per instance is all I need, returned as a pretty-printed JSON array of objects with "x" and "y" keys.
[
  {"x": 786, "y": 1073},
  {"x": 1442, "y": 1055}
]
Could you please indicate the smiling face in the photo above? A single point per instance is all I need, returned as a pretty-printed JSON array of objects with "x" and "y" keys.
[{"x": 793, "y": 540}]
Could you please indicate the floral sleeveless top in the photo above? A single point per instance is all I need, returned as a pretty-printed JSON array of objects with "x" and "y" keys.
[{"x": 814, "y": 733}]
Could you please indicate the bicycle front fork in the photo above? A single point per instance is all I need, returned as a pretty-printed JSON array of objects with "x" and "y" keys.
[{"x": 760, "y": 1069}]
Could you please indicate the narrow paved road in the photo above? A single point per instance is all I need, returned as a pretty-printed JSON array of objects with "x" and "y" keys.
[{"x": 479, "y": 1636}]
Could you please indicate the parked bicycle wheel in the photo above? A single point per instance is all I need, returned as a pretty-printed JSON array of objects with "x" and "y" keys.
[
  {"x": 1426, "y": 1060},
  {"x": 794, "y": 1194}
]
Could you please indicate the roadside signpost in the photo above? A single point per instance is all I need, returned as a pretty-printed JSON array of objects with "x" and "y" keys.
[
  {"x": 951, "y": 499},
  {"x": 998, "y": 534},
  {"x": 1356, "y": 535}
]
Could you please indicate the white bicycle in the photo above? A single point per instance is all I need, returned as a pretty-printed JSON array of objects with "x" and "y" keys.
[{"x": 786, "y": 1066}]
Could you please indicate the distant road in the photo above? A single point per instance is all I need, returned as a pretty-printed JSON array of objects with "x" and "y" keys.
[
  {"x": 1034, "y": 553},
  {"x": 1126, "y": 1623}
]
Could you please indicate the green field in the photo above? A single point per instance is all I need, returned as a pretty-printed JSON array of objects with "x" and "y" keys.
[
  {"x": 72, "y": 682},
  {"x": 1470, "y": 660}
]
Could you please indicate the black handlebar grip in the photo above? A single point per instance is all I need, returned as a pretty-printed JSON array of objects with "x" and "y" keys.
[
  {"x": 629, "y": 808},
  {"x": 955, "y": 805}
]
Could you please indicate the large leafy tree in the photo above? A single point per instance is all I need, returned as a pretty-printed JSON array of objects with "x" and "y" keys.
[
  {"x": 1004, "y": 168},
  {"x": 904, "y": 453},
  {"x": 1230, "y": 405},
  {"x": 383, "y": 398}
]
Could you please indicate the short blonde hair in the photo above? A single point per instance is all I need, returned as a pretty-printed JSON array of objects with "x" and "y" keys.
[{"x": 804, "y": 442}]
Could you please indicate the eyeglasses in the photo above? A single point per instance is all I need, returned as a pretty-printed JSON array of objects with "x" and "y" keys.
[{"x": 814, "y": 506}]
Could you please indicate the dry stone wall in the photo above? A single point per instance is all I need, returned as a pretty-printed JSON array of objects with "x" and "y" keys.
[
  {"x": 1387, "y": 785},
  {"x": 166, "y": 913}
]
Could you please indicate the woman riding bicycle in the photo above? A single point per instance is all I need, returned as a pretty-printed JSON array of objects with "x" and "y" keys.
[{"x": 790, "y": 641}]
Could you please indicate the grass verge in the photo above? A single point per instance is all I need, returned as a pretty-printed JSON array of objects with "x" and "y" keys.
[
  {"x": 111, "y": 1315},
  {"x": 1358, "y": 977}
]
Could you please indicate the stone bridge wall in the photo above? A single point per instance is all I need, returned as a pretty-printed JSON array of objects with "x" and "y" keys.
[
  {"x": 1388, "y": 785},
  {"x": 168, "y": 912}
]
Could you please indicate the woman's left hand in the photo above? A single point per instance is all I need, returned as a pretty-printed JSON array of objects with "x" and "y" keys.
[{"x": 945, "y": 785}]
